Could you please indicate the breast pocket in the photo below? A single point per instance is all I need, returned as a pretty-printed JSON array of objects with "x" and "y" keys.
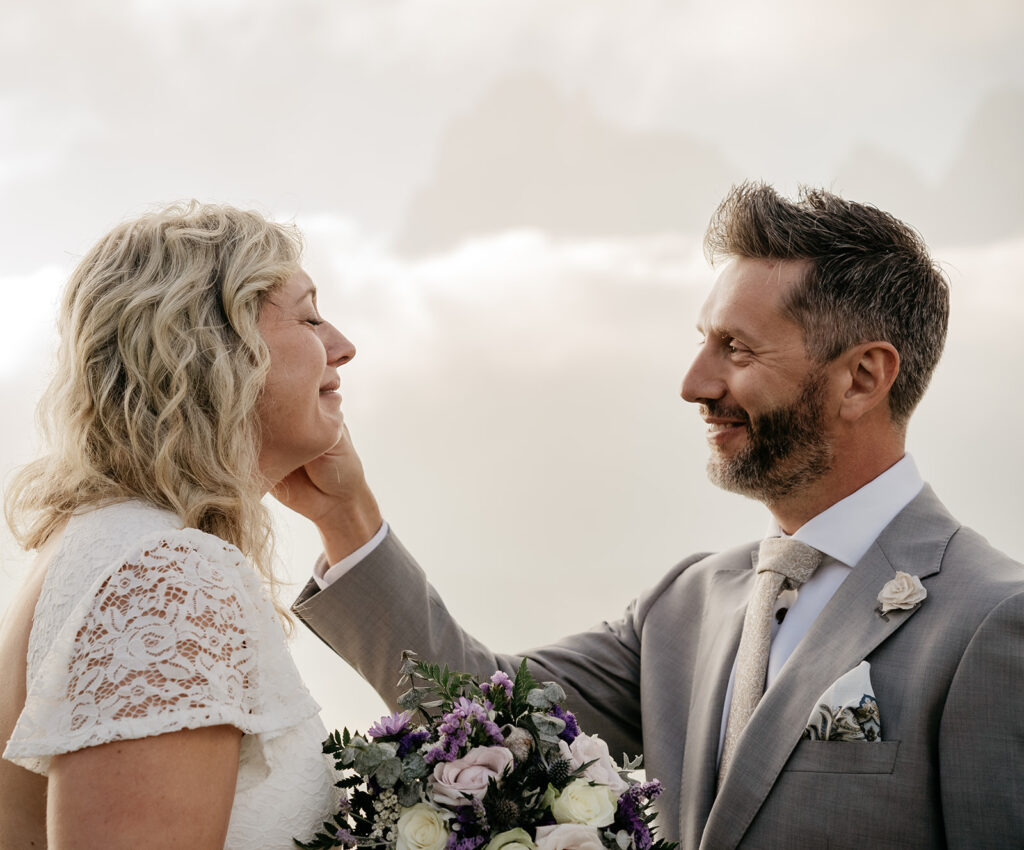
[{"x": 843, "y": 757}]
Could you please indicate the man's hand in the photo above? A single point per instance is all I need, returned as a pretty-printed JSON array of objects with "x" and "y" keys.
[{"x": 332, "y": 491}]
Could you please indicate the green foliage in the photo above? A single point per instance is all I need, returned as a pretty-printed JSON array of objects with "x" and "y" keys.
[
  {"x": 521, "y": 687},
  {"x": 447, "y": 684}
]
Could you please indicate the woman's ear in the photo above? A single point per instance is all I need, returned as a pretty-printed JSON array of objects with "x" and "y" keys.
[{"x": 868, "y": 370}]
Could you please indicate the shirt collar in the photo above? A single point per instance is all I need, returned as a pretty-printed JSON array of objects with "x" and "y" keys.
[{"x": 846, "y": 530}]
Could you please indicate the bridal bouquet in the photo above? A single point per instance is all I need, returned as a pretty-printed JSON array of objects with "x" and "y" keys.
[{"x": 495, "y": 765}]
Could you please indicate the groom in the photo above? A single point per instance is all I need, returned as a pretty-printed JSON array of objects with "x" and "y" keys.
[{"x": 819, "y": 338}]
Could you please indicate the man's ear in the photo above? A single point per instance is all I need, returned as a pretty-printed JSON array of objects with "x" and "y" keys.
[{"x": 868, "y": 371}]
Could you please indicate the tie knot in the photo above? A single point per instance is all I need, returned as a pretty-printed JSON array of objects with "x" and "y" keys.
[{"x": 788, "y": 557}]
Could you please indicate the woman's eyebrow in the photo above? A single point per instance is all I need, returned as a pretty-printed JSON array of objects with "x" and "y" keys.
[{"x": 309, "y": 290}]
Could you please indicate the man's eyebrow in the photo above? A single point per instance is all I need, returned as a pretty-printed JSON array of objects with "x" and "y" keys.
[
  {"x": 711, "y": 329},
  {"x": 720, "y": 332}
]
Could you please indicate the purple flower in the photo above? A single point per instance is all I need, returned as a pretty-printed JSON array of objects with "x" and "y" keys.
[
  {"x": 346, "y": 838},
  {"x": 411, "y": 741},
  {"x": 572, "y": 729},
  {"x": 456, "y": 727},
  {"x": 469, "y": 820},
  {"x": 393, "y": 725},
  {"x": 498, "y": 680},
  {"x": 470, "y": 842},
  {"x": 630, "y": 813},
  {"x": 344, "y": 803}
]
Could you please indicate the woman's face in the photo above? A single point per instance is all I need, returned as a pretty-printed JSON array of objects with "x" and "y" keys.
[{"x": 300, "y": 409}]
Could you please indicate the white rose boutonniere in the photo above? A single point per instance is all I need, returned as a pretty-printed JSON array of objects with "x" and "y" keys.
[{"x": 902, "y": 593}]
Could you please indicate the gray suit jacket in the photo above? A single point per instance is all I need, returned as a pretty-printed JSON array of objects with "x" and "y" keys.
[{"x": 948, "y": 676}]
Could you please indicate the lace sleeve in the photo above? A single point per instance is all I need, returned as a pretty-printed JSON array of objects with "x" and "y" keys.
[
  {"x": 166, "y": 634},
  {"x": 167, "y": 641}
]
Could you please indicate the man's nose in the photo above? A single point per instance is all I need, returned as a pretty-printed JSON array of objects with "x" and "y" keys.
[{"x": 701, "y": 381}]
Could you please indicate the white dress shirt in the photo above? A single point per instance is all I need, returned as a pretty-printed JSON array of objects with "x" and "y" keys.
[
  {"x": 843, "y": 533},
  {"x": 325, "y": 576}
]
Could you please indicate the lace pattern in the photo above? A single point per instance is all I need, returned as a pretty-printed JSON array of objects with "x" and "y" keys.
[
  {"x": 143, "y": 627},
  {"x": 166, "y": 632}
]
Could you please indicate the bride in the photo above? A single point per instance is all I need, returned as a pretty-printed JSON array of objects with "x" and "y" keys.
[{"x": 150, "y": 700}]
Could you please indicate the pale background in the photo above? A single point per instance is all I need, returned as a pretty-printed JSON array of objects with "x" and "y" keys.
[{"x": 503, "y": 203}]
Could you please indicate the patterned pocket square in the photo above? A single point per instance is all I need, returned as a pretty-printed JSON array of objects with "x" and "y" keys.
[{"x": 847, "y": 711}]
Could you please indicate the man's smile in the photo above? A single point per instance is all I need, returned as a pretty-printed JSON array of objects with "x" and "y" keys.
[{"x": 723, "y": 425}]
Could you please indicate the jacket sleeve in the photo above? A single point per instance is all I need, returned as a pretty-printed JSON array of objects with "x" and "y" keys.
[
  {"x": 386, "y": 605},
  {"x": 981, "y": 740}
]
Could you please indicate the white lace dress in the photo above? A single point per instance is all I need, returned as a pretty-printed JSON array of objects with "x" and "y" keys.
[{"x": 144, "y": 627}]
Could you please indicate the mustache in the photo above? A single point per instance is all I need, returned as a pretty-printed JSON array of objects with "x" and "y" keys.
[{"x": 718, "y": 410}]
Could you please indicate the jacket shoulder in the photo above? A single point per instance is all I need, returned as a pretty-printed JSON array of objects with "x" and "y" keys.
[{"x": 692, "y": 577}]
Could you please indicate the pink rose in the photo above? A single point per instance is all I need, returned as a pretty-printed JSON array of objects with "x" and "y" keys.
[
  {"x": 468, "y": 775},
  {"x": 568, "y": 836},
  {"x": 591, "y": 748}
]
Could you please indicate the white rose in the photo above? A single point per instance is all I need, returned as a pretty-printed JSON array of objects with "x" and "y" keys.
[
  {"x": 511, "y": 839},
  {"x": 470, "y": 774},
  {"x": 591, "y": 748},
  {"x": 581, "y": 802},
  {"x": 421, "y": 827},
  {"x": 903, "y": 592},
  {"x": 568, "y": 836}
]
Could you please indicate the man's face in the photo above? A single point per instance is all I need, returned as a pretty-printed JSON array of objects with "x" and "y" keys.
[{"x": 763, "y": 399}]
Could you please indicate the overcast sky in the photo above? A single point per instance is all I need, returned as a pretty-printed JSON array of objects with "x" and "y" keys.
[{"x": 503, "y": 204}]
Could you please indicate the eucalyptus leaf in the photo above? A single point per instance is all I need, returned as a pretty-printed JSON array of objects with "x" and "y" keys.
[
  {"x": 537, "y": 699},
  {"x": 408, "y": 795},
  {"x": 548, "y": 728},
  {"x": 554, "y": 692},
  {"x": 414, "y": 766},
  {"x": 356, "y": 747},
  {"x": 373, "y": 756},
  {"x": 388, "y": 773}
]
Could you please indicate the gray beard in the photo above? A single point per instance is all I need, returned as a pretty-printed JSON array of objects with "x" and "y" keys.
[{"x": 786, "y": 450}]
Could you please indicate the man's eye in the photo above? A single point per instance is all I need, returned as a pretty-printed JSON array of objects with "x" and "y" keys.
[{"x": 314, "y": 322}]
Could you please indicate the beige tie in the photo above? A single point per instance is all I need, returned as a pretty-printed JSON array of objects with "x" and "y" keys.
[{"x": 782, "y": 564}]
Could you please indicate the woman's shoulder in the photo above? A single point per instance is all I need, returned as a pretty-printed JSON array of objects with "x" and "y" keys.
[
  {"x": 169, "y": 629},
  {"x": 127, "y": 521},
  {"x": 122, "y": 562},
  {"x": 103, "y": 539}
]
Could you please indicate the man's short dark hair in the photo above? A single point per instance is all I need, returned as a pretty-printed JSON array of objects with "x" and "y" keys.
[{"x": 870, "y": 277}]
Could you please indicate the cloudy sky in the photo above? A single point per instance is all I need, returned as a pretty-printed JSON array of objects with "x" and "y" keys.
[{"x": 503, "y": 204}]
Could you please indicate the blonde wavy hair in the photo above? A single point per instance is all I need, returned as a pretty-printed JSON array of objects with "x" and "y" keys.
[{"x": 158, "y": 374}]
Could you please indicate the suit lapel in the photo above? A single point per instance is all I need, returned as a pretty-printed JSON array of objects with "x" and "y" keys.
[
  {"x": 716, "y": 649},
  {"x": 847, "y": 630}
]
